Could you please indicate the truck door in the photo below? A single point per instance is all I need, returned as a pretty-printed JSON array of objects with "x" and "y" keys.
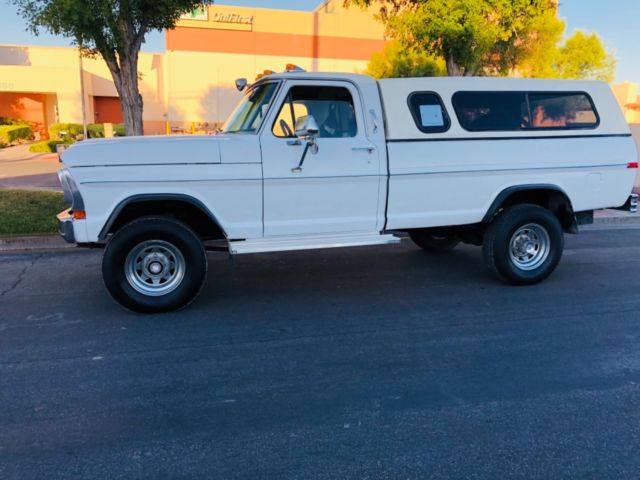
[{"x": 337, "y": 188}]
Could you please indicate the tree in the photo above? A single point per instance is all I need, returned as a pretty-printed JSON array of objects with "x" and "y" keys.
[
  {"x": 398, "y": 62},
  {"x": 113, "y": 29},
  {"x": 475, "y": 37},
  {"x": 583, "y": 56}
]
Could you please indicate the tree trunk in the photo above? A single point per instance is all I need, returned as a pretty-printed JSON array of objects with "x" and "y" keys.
[
  {"x": 453, "y": 69},
  {"x": 130, "y": 98},
  {"x": 124, "y": 70}
]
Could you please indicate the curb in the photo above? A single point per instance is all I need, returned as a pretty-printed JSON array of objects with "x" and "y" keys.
[
  {"x": 43, "y": 242},
  {"x": 603, "y": 218},
  {"x": 616, "y": 217}
]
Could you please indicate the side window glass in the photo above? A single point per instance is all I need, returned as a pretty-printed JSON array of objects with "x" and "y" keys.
[
  {"x": 332, "y": 107},
  {"x": 429, "y": 113},
  {"x": 283, "y": 127},
  {"x": 565, "y": 110},
  {"x": 485, "y": 111}
]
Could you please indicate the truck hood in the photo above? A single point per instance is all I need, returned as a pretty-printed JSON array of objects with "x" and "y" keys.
[{"x": 152, "y": 150}]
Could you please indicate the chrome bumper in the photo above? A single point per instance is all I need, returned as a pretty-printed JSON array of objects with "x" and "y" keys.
[{"x": 65, "y": 226}]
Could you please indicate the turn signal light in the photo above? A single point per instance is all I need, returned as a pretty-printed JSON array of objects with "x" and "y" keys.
[
  {"x": 632, "y": 165},
  {"x": 79, "y": 215},
  {"x": 294, "y": 68}
]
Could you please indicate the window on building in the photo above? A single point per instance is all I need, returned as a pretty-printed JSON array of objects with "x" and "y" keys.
[
  {"x": 429, "y": 112},
  {"x": 487, "y": 111},
  {"x": 332, "y": 108},
  {"x": 562, "y": 110}
]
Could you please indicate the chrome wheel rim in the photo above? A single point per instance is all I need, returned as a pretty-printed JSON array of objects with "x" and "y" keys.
[
  {"x": 529, "y": 247},
  {"x": 155, "y": 268}
]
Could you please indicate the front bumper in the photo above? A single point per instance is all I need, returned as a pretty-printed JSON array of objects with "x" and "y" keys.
[{"x": 65, "y": 226}]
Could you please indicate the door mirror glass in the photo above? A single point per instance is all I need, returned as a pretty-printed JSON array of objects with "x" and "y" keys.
[
  {"x": 307, "y": 127},
  {"x": 241, "y": 84}
]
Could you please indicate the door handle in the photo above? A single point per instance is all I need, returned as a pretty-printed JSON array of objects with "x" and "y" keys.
[
  {"x": 364, "y": 149},
  {"x": 294, "y": 143}
]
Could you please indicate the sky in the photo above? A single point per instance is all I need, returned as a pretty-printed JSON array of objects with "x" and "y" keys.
[{"x": 616, "y": 21}]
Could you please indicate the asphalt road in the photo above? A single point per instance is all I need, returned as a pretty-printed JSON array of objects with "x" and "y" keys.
[{"x": 360, "y": 363}]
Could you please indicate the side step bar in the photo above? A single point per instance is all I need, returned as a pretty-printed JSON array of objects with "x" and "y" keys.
[{"x": 290, "y": 243}]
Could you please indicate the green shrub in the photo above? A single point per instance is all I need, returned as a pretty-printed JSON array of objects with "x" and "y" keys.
[
  {"x": 96, "y": 130},
  {"x": 14, "y": 121},
  {"x": 12, "y": 133},
  {"x": 66, "y": 132},
  {"x": 48, "y": 146}
]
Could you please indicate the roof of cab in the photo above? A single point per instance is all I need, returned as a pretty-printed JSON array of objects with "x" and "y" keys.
[{"x": 299, "y": 75}]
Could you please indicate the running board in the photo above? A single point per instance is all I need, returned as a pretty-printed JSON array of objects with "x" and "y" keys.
[{"x": 289, "y": 243}]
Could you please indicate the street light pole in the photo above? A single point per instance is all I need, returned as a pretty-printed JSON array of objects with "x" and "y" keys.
[{"x": 84, "y": 109}]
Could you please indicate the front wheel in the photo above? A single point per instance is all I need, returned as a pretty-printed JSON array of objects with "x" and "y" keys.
[
  {"x": 523, "y": 245},
  {"x": 154, "y": 265}
]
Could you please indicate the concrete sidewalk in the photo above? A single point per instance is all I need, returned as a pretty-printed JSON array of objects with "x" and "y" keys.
[{"x": 22, "y": 169}]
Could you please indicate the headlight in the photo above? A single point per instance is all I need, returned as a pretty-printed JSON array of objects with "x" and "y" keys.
[{"x": 71, "y": 193}]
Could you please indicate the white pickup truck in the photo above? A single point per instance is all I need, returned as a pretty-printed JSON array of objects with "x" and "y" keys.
[{"x": 311, "y": 160}]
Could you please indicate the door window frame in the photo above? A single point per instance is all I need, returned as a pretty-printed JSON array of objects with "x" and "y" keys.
[{"x": 353, "y": 89}]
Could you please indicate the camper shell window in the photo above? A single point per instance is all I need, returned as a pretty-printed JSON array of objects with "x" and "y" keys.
[
  {"x": 515, "y": 111},
  {"x": 428, "y": 112}
]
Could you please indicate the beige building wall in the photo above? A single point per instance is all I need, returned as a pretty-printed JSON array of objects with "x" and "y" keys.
[
  {"x": 627, "y": 94},
  {"x": 227, "y": 43},
  {"x": 193, "y": 82},
  {"x": 55, "y": 72}
]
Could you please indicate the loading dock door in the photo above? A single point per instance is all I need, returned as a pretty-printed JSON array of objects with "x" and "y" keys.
[{"x": 107, "y": 110}]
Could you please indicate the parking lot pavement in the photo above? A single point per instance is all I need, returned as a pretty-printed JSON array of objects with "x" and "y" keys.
[
  {"x": 356, "y": 363},
  {"x": 21, "y": 169}
]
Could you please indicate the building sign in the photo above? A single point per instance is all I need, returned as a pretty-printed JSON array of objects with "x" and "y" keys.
[
  {"x": 232, "y": 21},
  {"x": 7, "y": 86},
  {"x": 224, "y": 20},
  {"x": 200, "y": 13}
]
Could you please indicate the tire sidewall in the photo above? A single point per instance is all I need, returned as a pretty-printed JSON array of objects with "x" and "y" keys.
[
  {"x": 148, "y": 229},
  {"x": 505, "y": 227}
]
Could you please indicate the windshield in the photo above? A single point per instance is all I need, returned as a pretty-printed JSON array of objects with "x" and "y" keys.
[{"x": 249, "y": 115}]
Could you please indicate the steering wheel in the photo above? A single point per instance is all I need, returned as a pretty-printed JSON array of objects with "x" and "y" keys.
[{"x": 286, "y": 128}]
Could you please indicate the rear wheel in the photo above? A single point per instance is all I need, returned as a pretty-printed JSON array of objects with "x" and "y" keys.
[
  {"x": 523, "y": 245},
  {"x": 435, "y": 240},
  {"x": 154, "y": 265}
]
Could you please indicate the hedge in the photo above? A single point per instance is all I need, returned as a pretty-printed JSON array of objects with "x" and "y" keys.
[
  {"x": 73, "y": 130},
  {"x": 12, "y": 133},
  {"x": 48, "y": 146},
  {"x": 70, "y": 130},
  {"x": 96, "y": 130},
  {"x": 14, "y": 121}
]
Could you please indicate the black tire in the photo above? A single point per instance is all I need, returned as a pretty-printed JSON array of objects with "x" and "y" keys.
[
  {"x": 531, "y": 261},
  {"x": 435, "y": 240},
  {"x": 158, "y": 241}
]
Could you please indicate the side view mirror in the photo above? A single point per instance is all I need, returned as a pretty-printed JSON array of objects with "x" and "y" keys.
[
  {"x": 307, "y": 127},
  {"x": 241, "y": 84}
]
